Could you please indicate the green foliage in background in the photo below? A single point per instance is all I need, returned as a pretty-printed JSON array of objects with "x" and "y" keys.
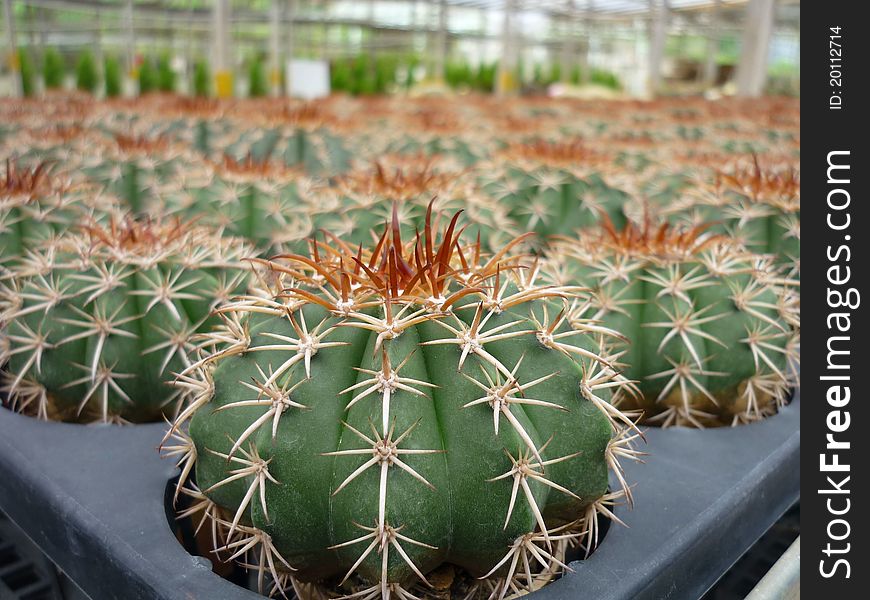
[
  {"x": 53, "y": 69},
  {"x": 544, "y": 76},
  {"x": 148, "y": 78},
  {"x": 458, "y": 75},
  {"x": 365, "y": 75},
  {"x": 258, "y": 84},
  {"x": 484, "y": 80},
  {"x": 165, "y": 74},
  {"x": 112, "y": 75},
  {"x": 87, "y": 77},
  {"x": 576, "y": 75},
  {"x": 201, "y": 79},
  {"x": 27, "y": 74},
  {"x": 605, "y": 79}
]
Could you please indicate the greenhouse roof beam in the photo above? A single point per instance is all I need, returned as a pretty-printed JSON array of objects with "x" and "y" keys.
[
  {"x": 552, "y": 8},
  {"x": 752, "y": 68},
  {"x": 12, "y": 45}
]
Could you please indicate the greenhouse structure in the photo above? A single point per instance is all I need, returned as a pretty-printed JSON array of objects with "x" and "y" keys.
[{"x": 410, "y": 299}]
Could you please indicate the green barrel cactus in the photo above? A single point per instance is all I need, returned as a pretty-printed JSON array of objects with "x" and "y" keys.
[
  {"x": 756, "y": 204},
  {"x": 36, "y": 204},
  {"x": 554, "y": 187},
  {"x": 368, "y": 415},
  {"x": 465, "y": 151},
  {"x": 358, "y": 204},
  {"x": 99, "y": 321},
  {"x": 315, "y": 151},
  {"x": 135, "y": 167},
  {"x": 713, "y": 328},
  {"x": 264, "y": 201}
]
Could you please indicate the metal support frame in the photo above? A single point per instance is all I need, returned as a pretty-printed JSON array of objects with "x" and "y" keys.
[
  {"x": 275, "y": 47},
  {"x": 221, "y": 48},
  {"x": 188, "y": 41},
  {"x": 575, "y": 31},
  {"x": 783, "y": 581},
  {"x": 589, "y": 31},
  {"x": 710, "y": 69},
  {"x": 42, "y": 30},
  {"x": 752, "y": 68},
  {"x": 130, "y": 35},
  {"x": 569, "y": 49},
  {"x": 441, "y": 41},
  {"x": 290, "y": 33},
  {"x": 659, "y": 12},
  {"x": 12, "y": 43},
  {"x": 506, "y": 82},
  {"x": 98, "y": 40}
]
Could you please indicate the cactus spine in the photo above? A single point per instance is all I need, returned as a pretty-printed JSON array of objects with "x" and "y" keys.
[
  {"x": 372, "y": 414},
  {"x": 759, "y": 205},
  {"x": 98, "y": 322},
  {"x": 35, "y": 205},
  {"x": 713, "y": 327},
  {"x": 553, "y": 187}
]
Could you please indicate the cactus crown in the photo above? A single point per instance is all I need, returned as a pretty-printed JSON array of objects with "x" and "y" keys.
[
  {"x": 29, "y": 182},
  {"x": 140, "y": 144},
  {"x": 565, "y": 153},
  {"x": 397, "y": 180},
  {"x": 777, "y": 187},
  {"x": 418, "y": 272},
  {"x": 404, "y": 394},
  {"x": 129, "y": 234},
  {"x": 664, "y": 241},
  {"x": 250, "y": 170}
]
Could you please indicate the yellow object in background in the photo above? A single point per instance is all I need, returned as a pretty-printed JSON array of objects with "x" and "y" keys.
[
  {"x": 507, "y": 82},
  {"x": 275, "y": 77},
  {"x": 224, "y": 84},
  {"x": 14, "y": 61}
]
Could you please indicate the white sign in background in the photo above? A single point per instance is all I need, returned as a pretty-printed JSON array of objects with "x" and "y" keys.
[{"x": 308, "y": 79}]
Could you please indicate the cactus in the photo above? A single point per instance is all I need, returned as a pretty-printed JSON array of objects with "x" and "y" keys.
[
  {"x": 374, "y": 413},
  {"x": 99, "y": 321},
  {"x": 758, "y": 205},
  {"x": 261, "y": 201},
  {"x": 713, "y": 328},
  {"x": 316, "y": 151},
  {"x": 433, "y": 145},
  {"x": 36, "y": 204},
  {"x": 359, "y": 202},
  {"x": 135, "y": 168},
  {"x": 554, "y": 187}
]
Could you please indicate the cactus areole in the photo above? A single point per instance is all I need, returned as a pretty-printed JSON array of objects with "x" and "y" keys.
[
  {"x": 371, "y": 414},
  {"x": 98, "y": 321},
  {"x": 714, "y": 328}
]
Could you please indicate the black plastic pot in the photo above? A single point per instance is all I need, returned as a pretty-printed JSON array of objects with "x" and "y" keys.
[{"x": 93, "y": 498}]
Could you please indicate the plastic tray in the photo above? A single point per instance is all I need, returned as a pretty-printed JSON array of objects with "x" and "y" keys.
[{"x": 93, "y": 498}]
